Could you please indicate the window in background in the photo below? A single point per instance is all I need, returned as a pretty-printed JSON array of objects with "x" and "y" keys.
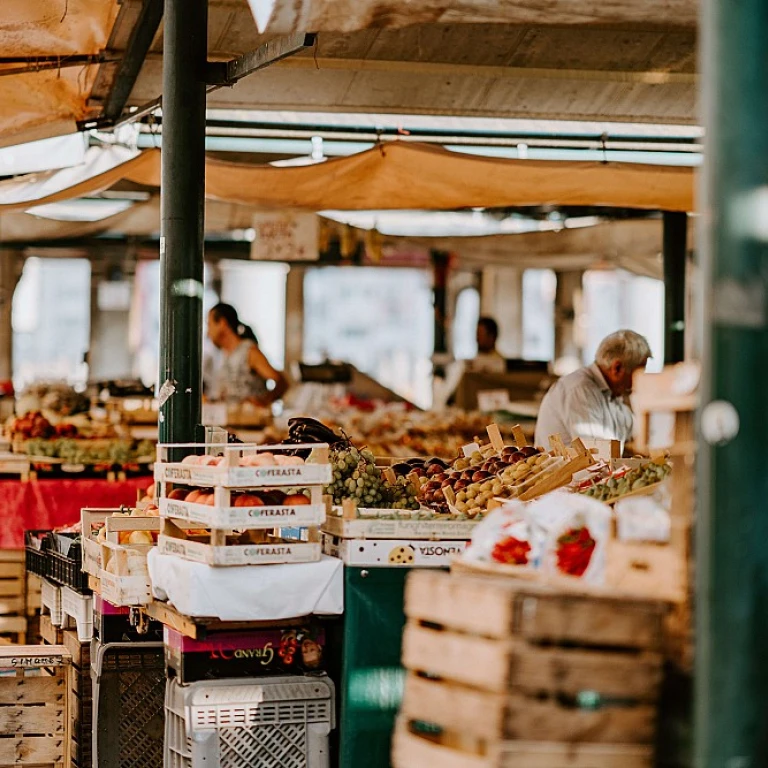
[
  {"x": 465, "y": 324},
  {"x": 378, "y": 319},
  {"x": 617, "y": 299},
  {"x": 144, "y": 334},
  {"x": 51, "y": 321},
  {"x": 539, "y": 314},
  {"x": 257, "y": 292}
]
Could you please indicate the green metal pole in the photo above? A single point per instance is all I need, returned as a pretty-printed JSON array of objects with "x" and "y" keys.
[
  {"x": 731, "y": 707},
  {"x": 181, "y": 245},
  {"x": 675, "y": 252}
]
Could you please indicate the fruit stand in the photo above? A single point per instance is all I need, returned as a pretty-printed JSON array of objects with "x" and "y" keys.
[{"x": 244, "y": 562}]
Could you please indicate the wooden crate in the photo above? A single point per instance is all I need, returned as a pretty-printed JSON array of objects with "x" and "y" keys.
[
  {"x": 512, "y": 673},
  {"x": 413, "y": 749},
  {"x": 33, "y": 594},
  {"x": 33, "y": 707},
  {"x": 80, "y": 700},
  {"x": 50, "y": 634},
  {"x": 13, "y": 590}
]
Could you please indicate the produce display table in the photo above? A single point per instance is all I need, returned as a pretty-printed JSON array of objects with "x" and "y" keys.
[{"x": 52, "y": 503}]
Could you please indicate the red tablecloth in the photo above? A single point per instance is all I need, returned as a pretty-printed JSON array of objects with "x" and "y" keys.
[{"x": 51, "y": 503}]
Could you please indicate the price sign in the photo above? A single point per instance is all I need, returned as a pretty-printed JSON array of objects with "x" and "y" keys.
[
  {"x": 285, "y": 236},
  {"x": 493, "y": 400}
]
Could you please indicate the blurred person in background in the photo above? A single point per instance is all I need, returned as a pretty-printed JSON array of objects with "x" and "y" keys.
[
  {"x": 242, "y": 371},
  {"x": 593, "y": 402},
  {"x": 488, "y": 358}
]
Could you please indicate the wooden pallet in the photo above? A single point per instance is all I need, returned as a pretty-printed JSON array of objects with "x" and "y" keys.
[
  {"x": 198, "y": 627},
  {"x": 33, "y": 707},
  {"x": 516, "y": 673}
]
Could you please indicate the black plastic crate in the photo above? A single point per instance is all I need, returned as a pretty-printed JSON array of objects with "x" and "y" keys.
[
  {"x": 37, "y": 545},
  {"x": 113, "y": 625},
  {"x": 66, "y": 563},
  {"x": 128, "y": 704}
]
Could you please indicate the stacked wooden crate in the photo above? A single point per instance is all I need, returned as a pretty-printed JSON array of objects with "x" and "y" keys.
[
  {"x": 665, "y": 409},
  {"x": 33, "y": 706},
  {"x": 34, "y": 587},
  {"x": 510, "y": 674},
  {"x": 77, "y": 679},
  {"x": 80, "y": 700},
  {"x": 13, "y": 591}
]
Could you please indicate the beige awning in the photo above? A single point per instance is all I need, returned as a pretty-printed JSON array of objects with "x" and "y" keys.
[
  {"x": 286, "y": 16},
  {"x": 393, "y": 176},
  {"x": 36, "y": 105}
]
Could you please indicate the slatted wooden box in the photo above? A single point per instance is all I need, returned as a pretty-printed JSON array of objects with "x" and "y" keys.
[
  {"x": 508, "y": 674},
  {"x": 34, "y": 699},
  {"x": 13, "y": 592}
]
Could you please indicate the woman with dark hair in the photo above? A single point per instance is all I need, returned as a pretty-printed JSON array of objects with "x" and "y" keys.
[{"x": 244, "y": 370}]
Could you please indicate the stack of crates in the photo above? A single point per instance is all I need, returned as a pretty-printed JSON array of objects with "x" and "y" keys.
[
  {"x": 276, "y": 722},
  {"x": 80, "y": 700}
]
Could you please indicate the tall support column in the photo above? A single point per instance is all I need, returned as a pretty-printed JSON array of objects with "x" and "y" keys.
[
  {"x": 294, "y": 316},
  {"x": 675, "y": 258},
  {"x": 732, "y": 558},
  {"x": 11, "y": 264},
  {"x": 181, "y": 244}
]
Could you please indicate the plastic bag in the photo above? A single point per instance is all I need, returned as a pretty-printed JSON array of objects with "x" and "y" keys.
[
  {"x": 642, "y": 518},
  {"x": 504, "y": 536},
  {"x": 572, "y": 532}
]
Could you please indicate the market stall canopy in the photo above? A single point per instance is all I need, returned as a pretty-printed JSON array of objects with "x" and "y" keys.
[
  {"x": 285, "y": 16},
  {"x": 391, "y": 176},
  {"x": 633, "y": 245},
  {"x": 62, "y": 39}
]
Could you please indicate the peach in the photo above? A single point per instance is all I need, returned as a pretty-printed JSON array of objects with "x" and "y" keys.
[
  {"x": 296, "y": 500},
  {"x": 248, "y": 500}
]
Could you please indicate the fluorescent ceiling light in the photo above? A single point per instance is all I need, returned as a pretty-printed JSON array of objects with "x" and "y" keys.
[
  {"x": 82, "y": 209},
  {"x": 422, "y": 122}
]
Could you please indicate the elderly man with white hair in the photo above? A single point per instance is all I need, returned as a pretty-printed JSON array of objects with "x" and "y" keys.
[{"x": 593, "y": 401}]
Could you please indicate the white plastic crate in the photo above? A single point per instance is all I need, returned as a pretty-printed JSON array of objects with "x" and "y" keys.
[
  {"x": 229, "y": 473},
  {"x": 79, "y": 609},
  {"x": 278, "y": 722},
  {"x": 50, "y": 601}
]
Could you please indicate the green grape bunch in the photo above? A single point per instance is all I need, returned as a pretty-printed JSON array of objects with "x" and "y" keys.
[{"x": 356, "y": 476}]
